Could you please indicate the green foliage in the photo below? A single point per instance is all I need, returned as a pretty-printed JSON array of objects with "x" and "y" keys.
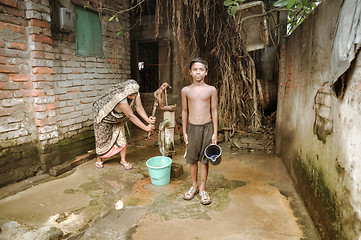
[
  {"x": 297, "y": 11},
  {"x": 232, "y": 5},
  {"x": 120, "y": 29}
]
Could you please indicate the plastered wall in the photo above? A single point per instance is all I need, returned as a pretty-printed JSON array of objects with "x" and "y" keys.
[{"x": 319, "y": 133}]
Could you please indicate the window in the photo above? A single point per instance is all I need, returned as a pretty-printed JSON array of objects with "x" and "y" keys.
[{"x": 89, "y": 39}]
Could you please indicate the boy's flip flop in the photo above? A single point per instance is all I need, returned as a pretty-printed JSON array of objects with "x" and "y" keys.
[
  {"x": 190, "y": 193},
  {"x": 205, "y": 198}
]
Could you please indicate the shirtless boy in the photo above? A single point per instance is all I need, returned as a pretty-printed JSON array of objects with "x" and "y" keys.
[{"x": 199, "y": 118}]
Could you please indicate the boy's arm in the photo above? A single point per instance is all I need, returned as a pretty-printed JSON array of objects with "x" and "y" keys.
[
  {"x": 184, "y": 115},
  {"x": 214, "y": 103}
]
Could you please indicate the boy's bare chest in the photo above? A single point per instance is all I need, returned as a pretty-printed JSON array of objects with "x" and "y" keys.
[{"x": 199, "y": 96}]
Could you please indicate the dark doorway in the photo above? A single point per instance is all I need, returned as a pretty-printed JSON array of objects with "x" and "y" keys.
[{"x": 145, "y": 65}]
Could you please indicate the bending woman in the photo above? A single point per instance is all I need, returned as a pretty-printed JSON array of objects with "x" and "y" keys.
[{"x": 111, "y": 111}]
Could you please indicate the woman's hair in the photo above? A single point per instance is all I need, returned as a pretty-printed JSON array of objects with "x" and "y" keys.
[{"x": 200, "y": 60}]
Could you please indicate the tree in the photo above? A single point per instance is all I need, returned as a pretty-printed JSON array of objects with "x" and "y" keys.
[{"x": 297, "y": 11}]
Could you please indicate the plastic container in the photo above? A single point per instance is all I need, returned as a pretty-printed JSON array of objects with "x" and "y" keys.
[
  {"x": 213, "y": 152},
  {"x": 159, "y": 170}
]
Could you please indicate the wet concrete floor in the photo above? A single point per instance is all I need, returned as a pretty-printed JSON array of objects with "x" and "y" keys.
[{"x": 252, "y": 198}]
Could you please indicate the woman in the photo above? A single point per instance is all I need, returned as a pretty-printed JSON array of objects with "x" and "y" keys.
[{"x": 111, "y": 111}]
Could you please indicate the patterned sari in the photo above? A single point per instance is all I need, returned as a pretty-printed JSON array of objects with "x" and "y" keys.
[{"x": 109, "y": 128}]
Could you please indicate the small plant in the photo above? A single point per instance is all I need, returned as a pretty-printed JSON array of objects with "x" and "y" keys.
[{"x": 233, "y": 6}]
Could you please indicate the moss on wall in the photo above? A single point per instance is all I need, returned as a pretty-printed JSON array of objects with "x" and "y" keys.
[
  {"x": 318, "y": 198},
  {"x": 18, "y": 162},
  {"x": 78, "y": 144}
]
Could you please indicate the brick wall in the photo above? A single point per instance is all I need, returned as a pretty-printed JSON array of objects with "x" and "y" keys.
[{"x": 46, "y": 89}]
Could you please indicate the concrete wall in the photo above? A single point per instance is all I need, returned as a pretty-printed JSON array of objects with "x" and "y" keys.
[
  {"x": 46, "y": 90},
  {"x": 318, "y": 134}
]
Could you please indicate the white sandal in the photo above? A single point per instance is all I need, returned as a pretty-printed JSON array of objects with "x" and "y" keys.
[
  {"x": 205, "y": 198},
  {"x": 190, "y": 193}
]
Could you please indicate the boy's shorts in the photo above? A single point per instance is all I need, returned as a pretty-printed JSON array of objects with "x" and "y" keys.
[{"x": 199, "y": 137}]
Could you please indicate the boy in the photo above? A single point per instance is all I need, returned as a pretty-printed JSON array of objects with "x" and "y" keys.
[{"x": 199, "y": 119}]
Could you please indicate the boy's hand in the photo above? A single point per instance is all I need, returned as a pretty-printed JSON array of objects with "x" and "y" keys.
[
  {"x": 214, "y": 138},
  {"x": 185, "y": 137}
]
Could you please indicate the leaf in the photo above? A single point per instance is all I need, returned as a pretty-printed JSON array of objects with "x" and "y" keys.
[
  {"x": 280, "y": 3},
  {"x": 290, "y": 4},
  {"x": 228, "y": 2},
  {"x": 116, "y": 18},
  {"x": 304, "y": 3},
  {"x": 118, "y": 34},
  {"x": 234, "y": 9},
  {"x": 111, "y": 18}
]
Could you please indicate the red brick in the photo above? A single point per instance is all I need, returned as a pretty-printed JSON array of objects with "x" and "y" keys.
[
  {"x": 52, "y": 120},
  {"x": 13, "y": 11},
  {"x": 37, "y": 93},
  {"x": 10, "y": 3},
  {"x": 47, "y": 32},
  {"x": 27, "y": 85},
  {"x": 41, "y": 77},
  {"x": 18, "y": 45},
  {"x": 39, "y": 23},
  {"x": 50, "y": 106},
  {"x": 5, "y": 112},
  {"x": 9, "y": 69},
  {"x": 22, "y": 93},
  {"x": 39, "y": 108},
  {"x": 37, "y": 54},
  {"x": 37, "y": 47},
  {"x": 2, "y": 60},
  {"x": 6, "y": 94},
  {"x": 19, "y": 77},
  {"x": 291, "y": 77},
  {"x": 41, "y": 39},
  {"x": 288, "y": 84},
  {"x": 73, "y": 89},
  {"x": 16, "y": 28},
  {"x": 2, "y": 43},
  {"x": 10, "y": 86},
  {"x": 359, "y": 87},
  {"x": 12, "y": 27},
  {"x": 289, "y": 70},
  {"x": 42, "y": 70},
  {"x": 41, "y": 123},
  {"x": 287, "y": 90}
]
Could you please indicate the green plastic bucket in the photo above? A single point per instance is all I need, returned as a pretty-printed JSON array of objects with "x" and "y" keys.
[{"x": 159, "y": 170}]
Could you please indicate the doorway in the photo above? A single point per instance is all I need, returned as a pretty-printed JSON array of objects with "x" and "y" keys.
[{"x": 145, "y": 65}]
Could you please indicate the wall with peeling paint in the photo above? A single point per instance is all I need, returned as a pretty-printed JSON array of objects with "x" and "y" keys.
[{"x": 318, "y": 133}]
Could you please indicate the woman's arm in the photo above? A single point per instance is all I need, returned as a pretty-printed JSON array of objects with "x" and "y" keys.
[
  {"x": 125, "y": 108},
  {"x": 140, "y": 110}
]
